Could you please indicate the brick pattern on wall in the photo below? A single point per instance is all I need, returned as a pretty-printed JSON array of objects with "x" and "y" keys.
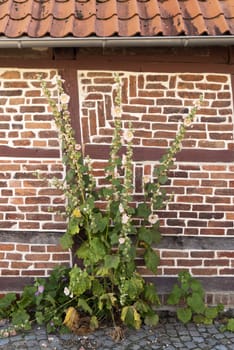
[
  {"x": 203, "y": 197},
  {"x": 203, "y": 203},
  {"x": 25, "y": 120},
  {"x": 28, "y": 202},
  {"x": 27, "y": 199},
  {"x": 197, "y": 262},
  {"x": 155, "y": 103},
  {"x": 19, "y": 259}
]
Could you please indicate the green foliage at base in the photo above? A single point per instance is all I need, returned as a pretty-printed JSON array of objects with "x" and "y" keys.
[{"x": 44, "y": 302}]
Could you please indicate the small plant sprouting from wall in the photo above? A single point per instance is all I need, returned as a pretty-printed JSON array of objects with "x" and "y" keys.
[
  {"x": 106, "y": 286},
  {"x": 188, "y": 295}
]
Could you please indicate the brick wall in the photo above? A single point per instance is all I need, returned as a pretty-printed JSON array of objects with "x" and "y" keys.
[
  {"x": 197, "y": 225},
  {"x": 29, "y": 160}
]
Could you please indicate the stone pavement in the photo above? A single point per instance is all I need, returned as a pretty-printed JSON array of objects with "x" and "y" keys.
[{"x": 168, "y": 335}]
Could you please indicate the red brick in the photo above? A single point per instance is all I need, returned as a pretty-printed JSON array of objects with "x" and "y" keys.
[
  {"x": 202, "y": 254},
  {"x": 191, "y": 231},
  {"x": 226, "y": 271},
  {"x": 54, "y": 248},
  {"x": 38, "y": 248},
  {"x": 228, "y": 254},
  {"x": 10, "y": 272},
  {"x": 216, "y": 262},
  {"x": 29, "y": 225},
  {"x": 60, "y": 257},
  {"x": 174, "y": 254},
  {"x": 22, "y": 247},
  {"x": 217, "y": 78},
  {"x": 190, "y": 199},
  {"x": 204, "y": 272},
  {"x": 172, "y": 271},
  {"x": 7, "y": 247},
  {"x": 19, "y": 265},
  {"x": 14, "y": 256},
  {"x": 167, "y": 262},
  {"x": 189, "y": 262},
  {"x": 37, "y": 257},
  {"x": 33, "y": 273},
  {"x": 212, "y": 231}
]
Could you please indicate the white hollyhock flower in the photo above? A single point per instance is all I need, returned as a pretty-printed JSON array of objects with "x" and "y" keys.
[
  {"x": 121, "y": 208},
  {"x": 66, "y": 291},
  {"x": 128, "y": 135},
  {"x": 153, "y": 218},
  {"x": 125, "y": 218},
  {"x": 64, "y": 98},
  {"x": 116, "y": 112},
  {"x": 121, "y": 240},
  {"x": 146, "y": 179},
  {"x": 187, "y": 121}
]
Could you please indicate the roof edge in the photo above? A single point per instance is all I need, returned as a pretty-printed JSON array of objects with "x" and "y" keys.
[{"x": 169, "y": 41}]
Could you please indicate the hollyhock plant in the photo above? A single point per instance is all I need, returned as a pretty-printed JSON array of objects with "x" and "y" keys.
[
  {"x": 107, "y": 231},
  {"x": 108, "y": 240}
]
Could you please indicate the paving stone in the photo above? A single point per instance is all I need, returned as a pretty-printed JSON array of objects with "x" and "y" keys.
[
  {"x": 169, "y": 335},
  {"x": 220, "y": 347},
  {"x": 190, "y": 345},
  {"x": 3, "y": 342}
]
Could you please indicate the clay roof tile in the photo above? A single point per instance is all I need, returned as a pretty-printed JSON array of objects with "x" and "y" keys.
[{"x": 83, "y": 18}]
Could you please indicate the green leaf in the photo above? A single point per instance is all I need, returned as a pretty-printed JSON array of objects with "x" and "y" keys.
[
  {"x": 149, "y": 235},
  {"x": 145, "y": 235},
  {"x": 230, "y": 325},
  {"x": 84, "y": 305},
  {"x": 195, "y": 301},
  {"x": 142, "y": 307},
  {"x": 50, "y": 299},
  {"x": 21, "y": 319},
  {"x": 73, "y": 226},
  {"x": 131, "y": 317},
  {"x": 111, "y": 261},
  {"x": 70, "y": 175},
  {"x": 80, "y": 281},
  {"x": 143, "y": 210},
  {"x": 27, "y": 297},
  {"x": 133, "y": 287},
  {"x": 196, "y": 286},
  {"x": 102, "y": 271},
  {"x": 162, "y": 179},
  {"x": 98, "y": 249},
  {"x": 5, "y": 304},
  {"x": 184, "y": 314},
  {"x": 66, "y": 241},
  {"x": 108, "y": 300},
  {"x": 199, "y": 319},
  {"x": 83, "y": 252},
  {"x": 175, "y": 295},
  {"x": 94, "y": 323},
  {"x": 39, "y": 317},
  {"x": 151, "y": 319},
  {"x": 100, "y": 222},
  {"x": 151, "y": 260},
  {"x": 150, "y": 294},
  {"x": 211, "y": 312},
  {"x": 97, "y": 288}
]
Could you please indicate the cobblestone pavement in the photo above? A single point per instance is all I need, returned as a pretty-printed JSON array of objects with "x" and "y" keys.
[{"x": 168, "y": 335}]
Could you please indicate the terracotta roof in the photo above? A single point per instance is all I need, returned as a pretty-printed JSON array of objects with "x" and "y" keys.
[{"x": 123, "y": 18}]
